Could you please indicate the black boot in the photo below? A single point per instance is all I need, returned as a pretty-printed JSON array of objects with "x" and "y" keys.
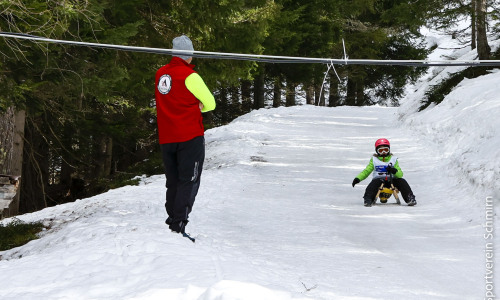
[
  {"x": 178, "y": 227},
  {"x": 411, "y": 200},
  {"x": 368, "y": 202}
]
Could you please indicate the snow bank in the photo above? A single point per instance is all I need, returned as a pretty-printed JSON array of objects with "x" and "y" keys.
[{"x": 465, "y": 126}]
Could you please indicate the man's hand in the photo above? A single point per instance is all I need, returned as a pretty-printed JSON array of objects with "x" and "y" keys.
[{"x": 201, "y": 106}]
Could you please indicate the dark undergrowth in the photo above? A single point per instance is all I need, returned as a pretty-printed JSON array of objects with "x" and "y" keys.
[
  {"x": 18, "y": 233},
  {"x": 437, "y": 92}
]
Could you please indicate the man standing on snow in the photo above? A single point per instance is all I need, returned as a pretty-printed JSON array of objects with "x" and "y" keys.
[{"x": 181, "y": 96}]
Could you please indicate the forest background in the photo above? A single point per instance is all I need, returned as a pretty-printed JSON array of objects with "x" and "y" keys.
[{"x": 77, "y": 121}]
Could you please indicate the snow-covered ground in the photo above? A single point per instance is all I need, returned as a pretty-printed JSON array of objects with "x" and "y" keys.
[{"x": 277, "y": 217}]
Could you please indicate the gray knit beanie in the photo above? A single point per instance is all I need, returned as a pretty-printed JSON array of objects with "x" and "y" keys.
[{"x": 183, "y": 43}]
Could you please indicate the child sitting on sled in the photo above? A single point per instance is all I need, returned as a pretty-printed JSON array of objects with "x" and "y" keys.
[{"x": 383, "y": 164}]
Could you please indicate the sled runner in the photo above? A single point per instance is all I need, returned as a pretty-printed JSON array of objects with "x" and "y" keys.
[{"x": 386, "y": 190}]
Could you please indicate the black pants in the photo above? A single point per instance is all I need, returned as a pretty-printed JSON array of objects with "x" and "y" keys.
[
  {"x": 183, "y": 164},
  {"x": 400, "y": 183}
]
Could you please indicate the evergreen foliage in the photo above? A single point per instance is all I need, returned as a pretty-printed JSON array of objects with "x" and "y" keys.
[{"x": 17, "y": 233}]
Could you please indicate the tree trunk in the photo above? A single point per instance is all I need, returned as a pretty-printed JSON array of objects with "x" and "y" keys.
[
  {"x": 7, "y": 124},
  {"x": 246, "y": 96},
  {"x": 108, "y": 158},
  {"x": 290, "y": 94},
  {"x": 317, "y": 89},
  {"x": 223, "y": 105},
  {"x": 66, "y": 172},
  {"x": 322, "y": 98},
  {"x": 259, "y": 91},
  {"x": 333, "y": 97},
  {"x": 310, "y": 94},
  {"x": 235, "y": 108},
  {"x": 351, "y": 93},
  {"x": 104, "y": 157},
  {"x": 11, "y": 148},
  {"x": 35, "y": 172},
  {"x": 360, "y": 93},
  {"x": 483, "y": 49},
  {"x": 6, "y": 139},
  {"x": 319, "y": 95},
  {"x": 277, "y": 92},
  {"x": 18, "y": 142},
  {"x": 17, "y": 157},
  {"x": 67, "y": 160},
  {"x": 473, "y": 25}
]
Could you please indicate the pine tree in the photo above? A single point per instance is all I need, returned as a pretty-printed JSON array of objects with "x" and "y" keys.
[
  {"x": 302, "y": 28},
  {"x": 380, "y": 30},
  {"x": 449, "y": 13}
]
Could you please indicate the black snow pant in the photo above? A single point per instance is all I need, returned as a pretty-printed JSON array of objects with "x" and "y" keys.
[
  {"x": 183, "y": 164},
  {"x": 400, "y": 183}
]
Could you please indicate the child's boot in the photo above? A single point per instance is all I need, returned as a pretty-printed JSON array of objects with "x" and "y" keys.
[{"x": 411, "y": 200}]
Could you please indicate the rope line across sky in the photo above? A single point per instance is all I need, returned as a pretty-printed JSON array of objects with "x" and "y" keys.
[{"x": 260, "y": 57}]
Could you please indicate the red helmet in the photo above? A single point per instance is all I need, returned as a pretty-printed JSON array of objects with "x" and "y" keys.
[{"x": 382, "y": 142}]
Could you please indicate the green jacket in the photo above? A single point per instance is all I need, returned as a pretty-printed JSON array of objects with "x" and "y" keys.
[{"x": 369, "y": 168}]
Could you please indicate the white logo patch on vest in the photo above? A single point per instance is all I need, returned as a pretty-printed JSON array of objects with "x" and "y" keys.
[{"x": 164, "y": 84}]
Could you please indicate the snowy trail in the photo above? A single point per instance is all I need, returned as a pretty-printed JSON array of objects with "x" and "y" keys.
[
  {"x": 276, "y": 218},
  {"x": 301, "y": 214}
]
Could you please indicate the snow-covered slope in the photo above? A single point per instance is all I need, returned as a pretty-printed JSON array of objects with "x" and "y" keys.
[
  {"x": 276, "y": 218},
  {"x": 465, "y": 125}
]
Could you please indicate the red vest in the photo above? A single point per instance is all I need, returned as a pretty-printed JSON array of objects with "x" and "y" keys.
[{"x": 177, "y": 109}]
